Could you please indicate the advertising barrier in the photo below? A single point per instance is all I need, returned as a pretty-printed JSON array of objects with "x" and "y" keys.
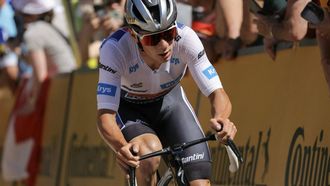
[
  {"x": 87, "y": 160},
  {"x": 53, "y": 130},
  {"x": 281, "y": 110}
]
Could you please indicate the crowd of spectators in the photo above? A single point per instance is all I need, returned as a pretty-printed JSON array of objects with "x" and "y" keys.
[{"x": 224, "y": 26}]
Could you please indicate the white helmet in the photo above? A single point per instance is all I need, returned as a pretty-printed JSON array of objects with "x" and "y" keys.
[
  {"x": 150, "y": 15},
  {"x": 34, "y": 7}
]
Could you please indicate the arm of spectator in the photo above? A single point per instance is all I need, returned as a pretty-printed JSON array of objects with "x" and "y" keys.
[
  {"x": 232, "y": 12},
  {"x": 90, "y": 24},
  {"x": 249, "y": 30},
  {"x": 122, "y": 4},
  {"x": 292, "y": 28},
  {"x": 37, "y": 59}
]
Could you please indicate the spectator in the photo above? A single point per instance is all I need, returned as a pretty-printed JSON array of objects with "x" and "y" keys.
[
  {"x": 222, "y": 27},
  {"x": 99, "y": 19},
  {"x": 249, "y": 31},
  {"x": 8, "y": 59},
  {"x": 236, "y": 26},
  {"x": 49, "y": 54},
  {"x": 281, "y": 21},
  {"x": 7, "y": 22},
  {"x": 47, "y": 50},
  {"x": 203, "y": 23}
]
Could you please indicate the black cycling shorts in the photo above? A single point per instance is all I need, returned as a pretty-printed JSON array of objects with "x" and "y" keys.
[{"x": 173, "y": 120}]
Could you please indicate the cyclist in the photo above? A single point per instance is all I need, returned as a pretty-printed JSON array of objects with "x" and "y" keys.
[{"x": 141, "y": 105}]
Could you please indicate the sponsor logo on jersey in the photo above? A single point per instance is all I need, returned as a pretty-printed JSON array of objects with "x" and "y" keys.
[
  {"x": 106, "y": 68},
  {"x": 175, "y": 61},
  {"x": 177, "y": 38},
  {"x": 133, "y": 68},
  {"x": 171, "y": 83},
  {"x": 210, "y": 72},
  {"x": 137, "y": 96},
  {"x": 106, "y": 89},
  {"x": 200, "y": 54}
]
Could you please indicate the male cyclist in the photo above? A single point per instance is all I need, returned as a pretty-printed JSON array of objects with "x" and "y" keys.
[{"x": 141, "y": 103}]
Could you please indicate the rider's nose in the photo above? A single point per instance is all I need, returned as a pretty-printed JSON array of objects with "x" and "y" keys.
[{"x": 163, "y": 44}]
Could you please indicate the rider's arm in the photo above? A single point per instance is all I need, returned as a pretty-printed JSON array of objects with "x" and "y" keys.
[
  {"x": 108, "y": 95},
  {"x": 109, "y": 129},
  {"x": 221, "y": 109},
  {"x": 208, "y": 81},
  {"x": 220, "y": 104}
]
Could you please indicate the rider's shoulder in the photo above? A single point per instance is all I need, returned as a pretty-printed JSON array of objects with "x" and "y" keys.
[
  {"x": 116, "y": 37},
  {"x": 185, "y": 32},
  {"x": 183, "y": 29}
]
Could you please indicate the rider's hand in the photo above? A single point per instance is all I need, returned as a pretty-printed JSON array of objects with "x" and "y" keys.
[
  {"x": 224, "y": 127},
  {"x": 127, "y": 157}
]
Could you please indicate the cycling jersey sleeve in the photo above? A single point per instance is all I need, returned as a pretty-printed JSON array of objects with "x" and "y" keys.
[
  {"x": 108, "y": 88},
  {"x": 203, "y": 72}
]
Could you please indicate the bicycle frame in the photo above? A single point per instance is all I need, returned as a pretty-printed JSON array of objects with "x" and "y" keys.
[{"x": 175, "y": 150}]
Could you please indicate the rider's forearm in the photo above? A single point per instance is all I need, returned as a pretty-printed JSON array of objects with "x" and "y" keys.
[
  {"x": 110, "y": 131},
  {"x": 220, "y": 104}
]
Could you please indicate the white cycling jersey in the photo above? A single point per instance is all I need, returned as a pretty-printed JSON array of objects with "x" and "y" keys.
[{"x": 122, "y": 72}]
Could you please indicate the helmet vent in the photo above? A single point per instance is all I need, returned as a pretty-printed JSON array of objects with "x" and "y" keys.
[
  {"x": 168, "y": 7},
  {"x": 138, "y": 14},
  {"x": 154, "y": 11}
]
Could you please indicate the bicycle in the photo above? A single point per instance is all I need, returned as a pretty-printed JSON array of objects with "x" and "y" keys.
[{"x": 176, "y": 163}]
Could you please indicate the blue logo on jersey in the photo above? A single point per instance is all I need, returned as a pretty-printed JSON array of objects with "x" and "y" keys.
[
  {"x": 106, "y": 89},
  {"x": 171, "y": 83},
  {"x": 210, "y": 72},
  {"x": 175, "y": 61},
  {"x": 117, "y": 35},
  {"x": 133, "y": 68}
]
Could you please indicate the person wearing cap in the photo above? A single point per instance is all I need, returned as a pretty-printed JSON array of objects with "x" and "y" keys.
[
  {"x": 141, "y": 104},
  {"x": 45, "y": 47},
  {"x": 280, "y": 20}
]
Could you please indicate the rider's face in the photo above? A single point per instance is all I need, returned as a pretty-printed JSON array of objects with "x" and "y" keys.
[
  {"x": 161, "y": 52},
  {"x": 159, "y": 45}
]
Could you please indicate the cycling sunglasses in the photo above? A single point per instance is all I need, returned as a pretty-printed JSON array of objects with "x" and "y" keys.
[{"x": 154, "y": 38}]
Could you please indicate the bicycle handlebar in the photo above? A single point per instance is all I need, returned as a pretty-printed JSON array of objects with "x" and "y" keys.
[{"x": 233, "y": 153}]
